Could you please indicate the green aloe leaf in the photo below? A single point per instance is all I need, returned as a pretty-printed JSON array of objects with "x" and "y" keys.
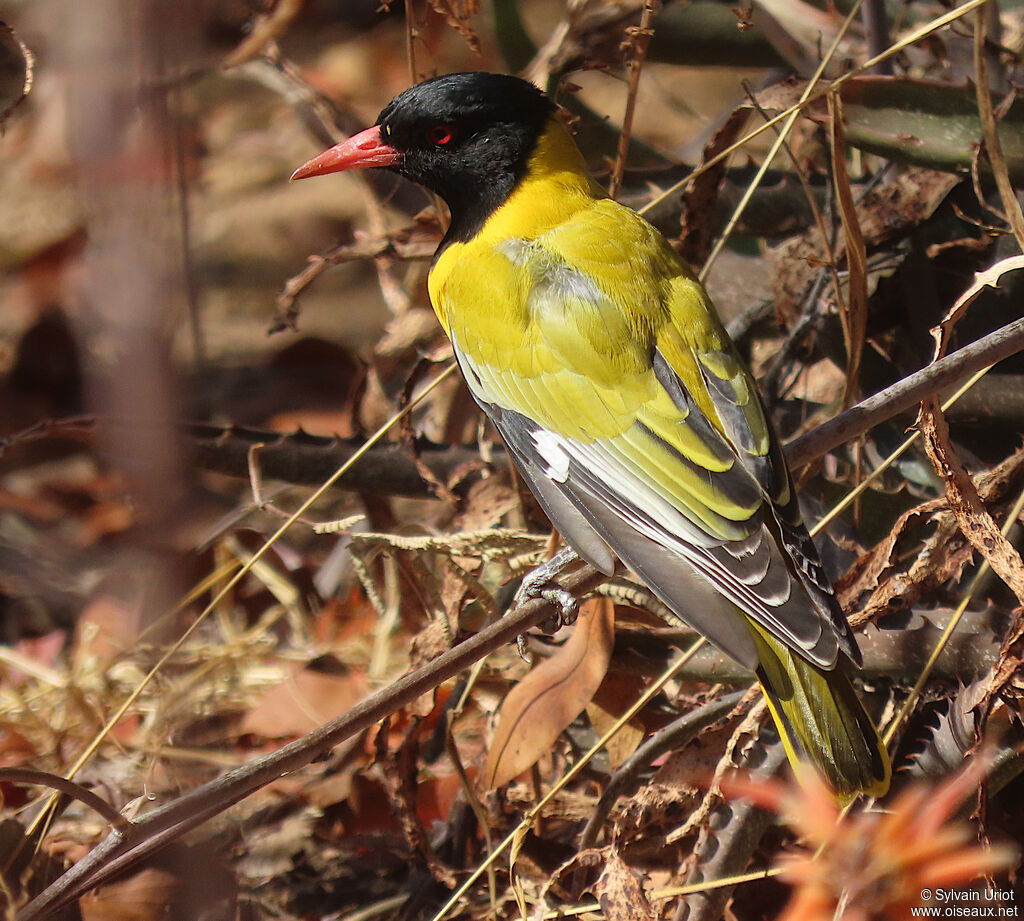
[{"x": 926, "y": 122}]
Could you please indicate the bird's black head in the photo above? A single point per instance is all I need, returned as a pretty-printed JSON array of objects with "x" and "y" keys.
[{"x": 468, "y": 137}]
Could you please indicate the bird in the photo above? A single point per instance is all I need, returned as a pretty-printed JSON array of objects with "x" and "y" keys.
[{"x": 624, "y": 405}]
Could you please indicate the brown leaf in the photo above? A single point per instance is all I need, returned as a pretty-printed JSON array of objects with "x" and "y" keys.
[
  {"x": 615, "y": 695},
  {"x": 303, "y": 701},
  {"x": 550, "y": 697},
  {"x": 620, "y": 890},
  {"x": 972, "y": 516}
]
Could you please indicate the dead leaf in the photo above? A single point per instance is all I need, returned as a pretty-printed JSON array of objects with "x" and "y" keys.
[
  {"x": 987, "y": 279},
  {"x": 551, "y": 696},
  {"x": 620, "y": 890},
  {"x": 306, "y": 699},
  {"x": 972, "y": 516},
  {"x": 616, "y": 693}
]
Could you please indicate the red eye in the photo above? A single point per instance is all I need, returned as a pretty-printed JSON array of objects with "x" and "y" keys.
[{"x": 441, "y": 134}]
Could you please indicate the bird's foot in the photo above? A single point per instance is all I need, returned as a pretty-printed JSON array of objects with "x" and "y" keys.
[{"x": 540, "y": 583}]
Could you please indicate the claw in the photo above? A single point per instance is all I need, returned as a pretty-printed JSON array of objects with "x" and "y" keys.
[{"x": 540, "y": 584}]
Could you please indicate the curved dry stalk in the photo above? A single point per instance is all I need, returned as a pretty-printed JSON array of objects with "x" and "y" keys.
[{"x": 67, "y": 787}]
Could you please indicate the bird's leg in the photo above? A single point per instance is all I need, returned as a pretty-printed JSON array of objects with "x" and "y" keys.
[{"x": 540, "y": 583}]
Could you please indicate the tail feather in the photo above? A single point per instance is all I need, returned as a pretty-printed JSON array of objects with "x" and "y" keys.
[{"x": 819, "y": 714}]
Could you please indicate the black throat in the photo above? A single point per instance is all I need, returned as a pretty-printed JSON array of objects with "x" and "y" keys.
[{"x": 484, "y": 183}]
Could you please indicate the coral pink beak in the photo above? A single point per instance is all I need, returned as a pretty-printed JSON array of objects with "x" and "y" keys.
[{"x": 358, "y": 152}]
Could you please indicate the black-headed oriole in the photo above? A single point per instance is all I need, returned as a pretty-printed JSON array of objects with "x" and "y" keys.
[{"x": 602, "y": 362}]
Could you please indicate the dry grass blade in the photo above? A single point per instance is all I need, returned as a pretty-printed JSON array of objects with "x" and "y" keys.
[
  {"x": 854, "y": 313},
  {"x": 990, "y": 129}
]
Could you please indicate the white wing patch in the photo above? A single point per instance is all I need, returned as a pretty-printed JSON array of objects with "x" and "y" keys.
[{"x": 552, "y": 450}]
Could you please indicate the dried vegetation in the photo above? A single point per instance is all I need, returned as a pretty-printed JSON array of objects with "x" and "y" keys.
[{"x": 236, "y": 683}]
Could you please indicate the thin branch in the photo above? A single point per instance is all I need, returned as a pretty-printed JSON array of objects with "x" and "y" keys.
[
  {"x": 901, "y": 396},
  {"x": 638, "y": 40}
]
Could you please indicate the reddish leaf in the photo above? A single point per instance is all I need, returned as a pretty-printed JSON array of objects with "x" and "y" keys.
[{"x": 548, "y": 699}]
